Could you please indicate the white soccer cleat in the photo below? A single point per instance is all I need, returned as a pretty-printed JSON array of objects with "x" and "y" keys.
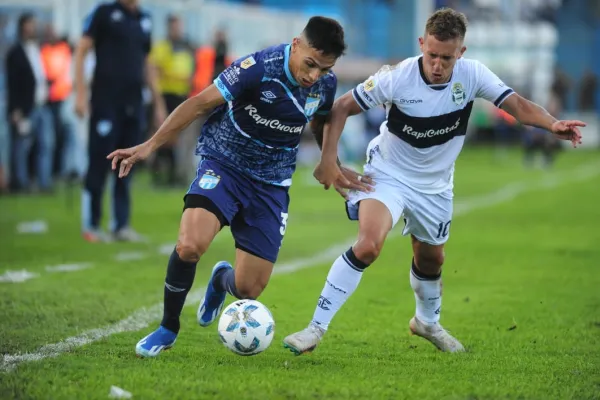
[
  {"x": 304, "y": 341},
  {"x": 437, "y": 335},
  {"x": 127, "y": 234}
]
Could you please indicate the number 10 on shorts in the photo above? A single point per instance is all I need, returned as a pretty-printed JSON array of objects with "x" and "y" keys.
[{"x": 443, "y": 229}]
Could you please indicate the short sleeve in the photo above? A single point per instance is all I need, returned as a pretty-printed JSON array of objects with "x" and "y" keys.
[
  {"x": 243, "y": 74},
  {"x": 376, "y": 90},
  {"x": 490, "y": 87},
  {"x": 330, "y": 91},
  {"x": 92, "y": 24}
]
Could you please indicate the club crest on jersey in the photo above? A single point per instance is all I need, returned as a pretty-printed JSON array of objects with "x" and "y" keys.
[
  {"x": 312, "y": 104},
  {"x": 209, "y": 180},
  {"x": 458, "y": 93}
]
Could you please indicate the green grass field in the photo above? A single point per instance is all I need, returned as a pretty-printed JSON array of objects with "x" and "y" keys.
[{"x": 521, "y": 291}]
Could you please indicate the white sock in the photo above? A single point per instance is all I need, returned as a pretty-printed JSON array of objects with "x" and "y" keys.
[
  {"x": 428, "y": 296},
  {"x": 342, "y": 280}
]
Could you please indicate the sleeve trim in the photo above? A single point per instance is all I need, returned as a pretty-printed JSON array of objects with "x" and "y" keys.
[
  {"x": 361, "y": 103},
  {"x": 503, "y": 97},
  {"x": 223, "y": 89}
]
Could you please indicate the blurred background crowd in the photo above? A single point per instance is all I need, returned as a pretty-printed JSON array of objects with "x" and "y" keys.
[{"x": 547, "y": 50}]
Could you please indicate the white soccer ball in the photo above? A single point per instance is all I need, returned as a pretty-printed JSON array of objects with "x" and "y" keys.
[{"x": 246, "y": 327}]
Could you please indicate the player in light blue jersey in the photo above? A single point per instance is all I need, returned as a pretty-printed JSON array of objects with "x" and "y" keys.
[{"x": 259, "y": 107}]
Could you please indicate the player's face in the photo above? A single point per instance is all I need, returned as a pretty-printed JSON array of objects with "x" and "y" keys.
[
  {"x": 308, "y": 64},
  {"x": 439, "y": 57}
]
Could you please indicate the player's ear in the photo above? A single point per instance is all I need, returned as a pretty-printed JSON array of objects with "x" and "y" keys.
[
  {"x": 462, "y": 51},
  {"x": 421, "y": 42},
  {"x": 295, "y": 43}
]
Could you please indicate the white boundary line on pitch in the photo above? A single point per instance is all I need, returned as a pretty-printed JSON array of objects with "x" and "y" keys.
[{"x": 144, "y": 316}]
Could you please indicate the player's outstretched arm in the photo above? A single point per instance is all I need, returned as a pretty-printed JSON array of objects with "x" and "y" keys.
[
  {"x": 178, "y": 120},
  {"x": 529, "y": 113},
  {"x": 327, "y": 171},
  {"x": 355, "y": 180}
]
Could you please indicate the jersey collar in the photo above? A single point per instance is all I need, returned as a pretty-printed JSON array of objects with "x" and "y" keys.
[
  {"x": 286, "y": 63},
  {"x": 438, "y": 86}
]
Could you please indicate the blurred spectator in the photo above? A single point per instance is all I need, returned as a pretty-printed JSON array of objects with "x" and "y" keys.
[
  {"x": 120, "y": 34},
  {"x": 587, "y": 91},
  {"x": 221, "y": 53},
  {"x": 211, "y": 60},
  {"x": 57, "y": 58},
  {"x": 174, "y": 60},
  {"x": 4, "y": 131},
  {"x": 30, "y": 118},
  {"x": 560, "y": 86},
  {"x": 539, "y": 140}
]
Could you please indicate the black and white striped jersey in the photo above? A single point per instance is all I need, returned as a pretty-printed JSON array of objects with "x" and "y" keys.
[{"x": 426, "y": 124}]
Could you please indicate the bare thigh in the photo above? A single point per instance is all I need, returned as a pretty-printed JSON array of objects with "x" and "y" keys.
[{"x": 197, "y": 230}]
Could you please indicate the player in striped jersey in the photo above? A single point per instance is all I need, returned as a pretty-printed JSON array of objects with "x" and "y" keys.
[{"x": 428, "y": 101}]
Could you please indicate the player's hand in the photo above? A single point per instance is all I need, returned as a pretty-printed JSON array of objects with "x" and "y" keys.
[
  {"x": 568, "y": 130},
  {"x": 328, "y": 173},
  {"x": 129, "y": 157},
  {"x": 364, "y": 183},
  {"x": 341, "y": 178}
]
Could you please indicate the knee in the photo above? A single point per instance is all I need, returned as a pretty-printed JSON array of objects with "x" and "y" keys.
[
  {"x": 368, "y": 248},
  {"x": 250, "y": 290},
  {"x": 190, "y": 251},
  {"x": 430, "y": 262}
]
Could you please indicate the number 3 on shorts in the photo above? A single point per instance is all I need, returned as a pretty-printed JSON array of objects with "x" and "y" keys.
[{"x": 284, "y": 218}]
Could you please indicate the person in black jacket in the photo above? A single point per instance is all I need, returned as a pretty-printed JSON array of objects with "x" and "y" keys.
[
  {"x": 29, "y": 116},
  {"x": 120, "y": 33}
]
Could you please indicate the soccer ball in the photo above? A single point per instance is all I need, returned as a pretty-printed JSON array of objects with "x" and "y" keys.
[{"x": 246, "y": 327}]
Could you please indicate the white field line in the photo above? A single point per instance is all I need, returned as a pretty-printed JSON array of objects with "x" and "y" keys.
[
  {"x": 130, "y": 256},
  {"x": 17, "y": 276},
  {"x": 144, "y": 316},
  {"x": 68, "y": 267},
  {"x": 24, "y": 275}
]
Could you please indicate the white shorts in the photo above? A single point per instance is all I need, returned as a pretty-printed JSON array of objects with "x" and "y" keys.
[{"x": 426, "y": 216}]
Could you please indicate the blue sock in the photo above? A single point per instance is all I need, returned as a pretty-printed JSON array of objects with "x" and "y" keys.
[
  {"x": 179, "y": 280},
  {"x": 224, "y": 281}
]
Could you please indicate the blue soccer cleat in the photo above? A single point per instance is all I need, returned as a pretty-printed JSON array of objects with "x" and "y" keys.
[
  {"x": 159, "y": 340},
  {"x": 213, "y": 301}
]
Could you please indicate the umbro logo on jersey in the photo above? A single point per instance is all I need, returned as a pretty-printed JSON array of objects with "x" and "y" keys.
[{"x": 268, "y": 96}]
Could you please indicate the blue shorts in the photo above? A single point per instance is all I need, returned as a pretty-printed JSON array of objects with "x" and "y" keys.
[{"x": 256, "y": 212}]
